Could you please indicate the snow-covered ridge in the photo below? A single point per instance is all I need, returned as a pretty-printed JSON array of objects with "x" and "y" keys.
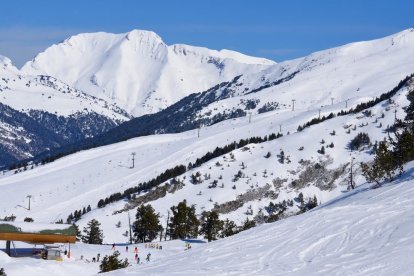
[
  {"x": 343, "y": 75},
  {"x": 137, "y": 69}
]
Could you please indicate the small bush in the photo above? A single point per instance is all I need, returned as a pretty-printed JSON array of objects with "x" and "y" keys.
[
  {"x": 362, "y": 139},
  {"x": 112, "y": 262}
]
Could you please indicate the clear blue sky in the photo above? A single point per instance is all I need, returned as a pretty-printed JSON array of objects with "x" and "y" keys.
[{"x": 278, "y": 30}]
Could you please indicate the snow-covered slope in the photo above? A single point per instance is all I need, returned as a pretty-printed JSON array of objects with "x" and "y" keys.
[
  {"x": 341, "y": 76},
  {"x": 81, "y": 179},
  {"x": 137, "y": 69},
  {"x": 365, "y": 232}
]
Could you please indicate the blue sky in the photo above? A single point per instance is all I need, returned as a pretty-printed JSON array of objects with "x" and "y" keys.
[{"x": 277, "y": 30}]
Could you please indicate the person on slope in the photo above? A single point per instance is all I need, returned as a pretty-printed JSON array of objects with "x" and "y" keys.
[
  {"x": 148, "y": 257},
  {"x": 113, "y": 246},
  {"x": 136, "y": 249}
]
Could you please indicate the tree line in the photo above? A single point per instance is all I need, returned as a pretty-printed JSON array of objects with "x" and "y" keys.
[
  {"x": 182, "y": 223},
  {"x": 392, "y": 153},
  {"x": 181, "y": 169},
  {"x": 360, "y": 107}
]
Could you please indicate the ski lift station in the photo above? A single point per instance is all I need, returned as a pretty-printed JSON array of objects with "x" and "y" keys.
[{"x": 39, "y": 234}]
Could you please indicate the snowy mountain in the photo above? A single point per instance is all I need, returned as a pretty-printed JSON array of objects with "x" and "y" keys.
[
  {"x": 325, "y": 81},
  {"x": 239, "y": 182},
  {"x": 41, "y": 112},
  {"x": 254, "y": 157},
  {"x": 138, "y": 70},
  {"x": 98, "y": 173}
]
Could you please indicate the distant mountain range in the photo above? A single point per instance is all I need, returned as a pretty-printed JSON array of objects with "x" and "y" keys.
[
  {"x": 90, "y": 83},
  {"x": 340, "y": 77}
]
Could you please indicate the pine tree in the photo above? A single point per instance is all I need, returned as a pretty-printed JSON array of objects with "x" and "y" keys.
[
  {"x": 322, "y": 150},
  {"x": 312, "y": 203},
  {"x": 211, "y": 225},
  {"x": 384, "y": 166},
  {"x": 92, "y": 233},
  {"x": 281, "y": 156},
  {"x": 88, "y": 209},
  {"x": 147, "y": 224},
  {"x": 404, "y": 147},
  {"x": 78, "y": 215},
  {"x": 101, "y": 203},
  {"x": 70, "y": 218},
  {"x": 184, "y": 222},
  {"x": 360, "y": 140},
  {"x": 247, "y": 224},
  {"x": 409, "y": 118},
  {"x": 78, "y": 232},
  {"x": 300, "y": 199},
  {"x": 229, "y": 229},
  {"x": 112, "y": 262}
]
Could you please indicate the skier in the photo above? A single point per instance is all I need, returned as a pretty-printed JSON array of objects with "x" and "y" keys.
[
  {"x": 126, "y": 248},
  {"x": 148, "y": 257},
  {"x": 138, "y": 260},
  {"x": 113, "y": 246},
  {"x": 136, "y": 249},
  {"x": 136, "y": 257},
  {"x": 98, "y": 256}
]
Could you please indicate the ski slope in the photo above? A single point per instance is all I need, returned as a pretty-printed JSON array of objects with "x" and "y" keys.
[
  {"x": 81, "y": 179},
  {"x": 363, "y": 232}
]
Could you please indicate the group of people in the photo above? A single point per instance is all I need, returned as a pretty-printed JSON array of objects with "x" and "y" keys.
[
  {"x": 153, "y": 245},
  {"x": 136, "y": 251}
]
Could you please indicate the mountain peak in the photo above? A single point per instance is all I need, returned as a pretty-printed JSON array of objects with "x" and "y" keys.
[
  {"x": 143, "y": 35},
  {"x": 5, "y": 61},
  {"x": 137, "y": 69}
]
